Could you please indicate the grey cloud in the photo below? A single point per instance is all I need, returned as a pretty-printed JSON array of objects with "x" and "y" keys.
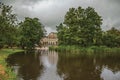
[
  {"x": 115, "y": 1},
  {"x": 51, "y": 12}
]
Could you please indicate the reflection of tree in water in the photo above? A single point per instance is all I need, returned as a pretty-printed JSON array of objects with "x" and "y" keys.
[
  {"x": 85, "y": 68},
  {"x": 110, "y": 68},
  {"x": 76, "y": 69},
  {"x": 29, "y": 67},
  {"x": 46, "y": 66},
  {"x": 112, "y": 63}
]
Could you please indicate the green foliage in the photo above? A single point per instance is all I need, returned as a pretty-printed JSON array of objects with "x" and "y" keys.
[
  {"x": 7, "y": 26},
  {"x": 31, "y": 32},
  {"x": 27, "y": 33},
  {"x": 111, "y": 38},
  {"x": 80, "y": 27}
]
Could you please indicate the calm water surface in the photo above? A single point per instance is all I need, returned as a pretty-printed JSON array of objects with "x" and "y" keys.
[{"x": 50, "y": 65}]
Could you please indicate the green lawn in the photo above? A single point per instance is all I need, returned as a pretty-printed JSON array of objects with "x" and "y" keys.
[{"x": 5, "y": 72}]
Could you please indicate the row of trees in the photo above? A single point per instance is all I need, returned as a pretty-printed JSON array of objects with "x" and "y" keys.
[
  {"x": 80, "y": 27},
  {"x": 83, "y": 27},
  {"x": 25, "y": 34}
]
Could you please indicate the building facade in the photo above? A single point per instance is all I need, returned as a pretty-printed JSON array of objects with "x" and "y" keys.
[{"x": 51, "y": 39}]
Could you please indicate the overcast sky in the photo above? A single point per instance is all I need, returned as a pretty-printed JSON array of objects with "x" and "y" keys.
[{"x": 52, "y": 12}]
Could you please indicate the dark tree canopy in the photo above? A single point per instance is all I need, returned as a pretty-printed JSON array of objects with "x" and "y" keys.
[
  {"x": 81, "y": 27},
  {"x": 26, "y": 34},
  {"x": 7, "y": 25},
  {"x": 31, "y": 32},
  {"x": 111, "y": 38}
]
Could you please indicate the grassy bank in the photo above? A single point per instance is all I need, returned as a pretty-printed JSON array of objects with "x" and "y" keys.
[
  {"x": 5, "y": 72},
  {"x": 90, "y": 51}
]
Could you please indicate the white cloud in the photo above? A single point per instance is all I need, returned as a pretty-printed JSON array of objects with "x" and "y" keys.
[{"x": 51, "y": 12}]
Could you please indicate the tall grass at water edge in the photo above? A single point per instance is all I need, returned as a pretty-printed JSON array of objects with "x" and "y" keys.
[{"x": 89, "y": 51}]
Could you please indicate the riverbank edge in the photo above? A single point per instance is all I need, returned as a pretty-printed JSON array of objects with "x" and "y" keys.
[
  {"x": 92, "y": 50},
  {"x": 6, "y": 72}
]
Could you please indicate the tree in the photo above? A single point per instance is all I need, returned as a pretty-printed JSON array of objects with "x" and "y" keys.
[
  {"x": 7, "y": 25},
  {"x": 31, "y": 32},
  {"x": 81, "y": 27},
  {"x": 63, "y": 34},
  {"x": 111, "y": 38}
]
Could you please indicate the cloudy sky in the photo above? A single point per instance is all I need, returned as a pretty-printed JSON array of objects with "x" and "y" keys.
[{"x": 52, "y": 12}]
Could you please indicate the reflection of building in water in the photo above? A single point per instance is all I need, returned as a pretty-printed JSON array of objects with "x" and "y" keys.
[
  {"x": 49, "y": 60},
  {"x": 51, "y": 39}
]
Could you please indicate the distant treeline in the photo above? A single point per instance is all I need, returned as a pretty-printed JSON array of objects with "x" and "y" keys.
[
  {"x": 24, "y": 34},
  {"x": 82, "y": 27}
]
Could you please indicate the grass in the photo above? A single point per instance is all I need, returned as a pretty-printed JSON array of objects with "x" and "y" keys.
[
  {"x": 101, "y": 51},
  {"x": 6, "y": 72}
]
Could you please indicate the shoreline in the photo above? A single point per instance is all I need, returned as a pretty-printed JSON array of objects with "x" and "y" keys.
[
  {"x": 5, "y": 71},
  {"x": 89, "y": 51}
]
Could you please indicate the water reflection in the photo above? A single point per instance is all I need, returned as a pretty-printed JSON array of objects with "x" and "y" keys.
[
  {"x": 26, "y": 66},
  {"x": 50, "y": 65},
  {"x": 49, "y": 61},
  {"x": 88, "y": 68},
  {"x": 78, "y": 68},
  {"x": 107, "y": 74}
]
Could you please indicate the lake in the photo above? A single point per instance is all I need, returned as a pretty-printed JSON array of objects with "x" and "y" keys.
[{"x": 52, "y": 65}]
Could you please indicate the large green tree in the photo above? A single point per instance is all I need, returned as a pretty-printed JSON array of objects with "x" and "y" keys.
[
  {"x": 81, "y": 27},
  {"x": 7, "y": 25},
  {"x": 31, "y": 32}
]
